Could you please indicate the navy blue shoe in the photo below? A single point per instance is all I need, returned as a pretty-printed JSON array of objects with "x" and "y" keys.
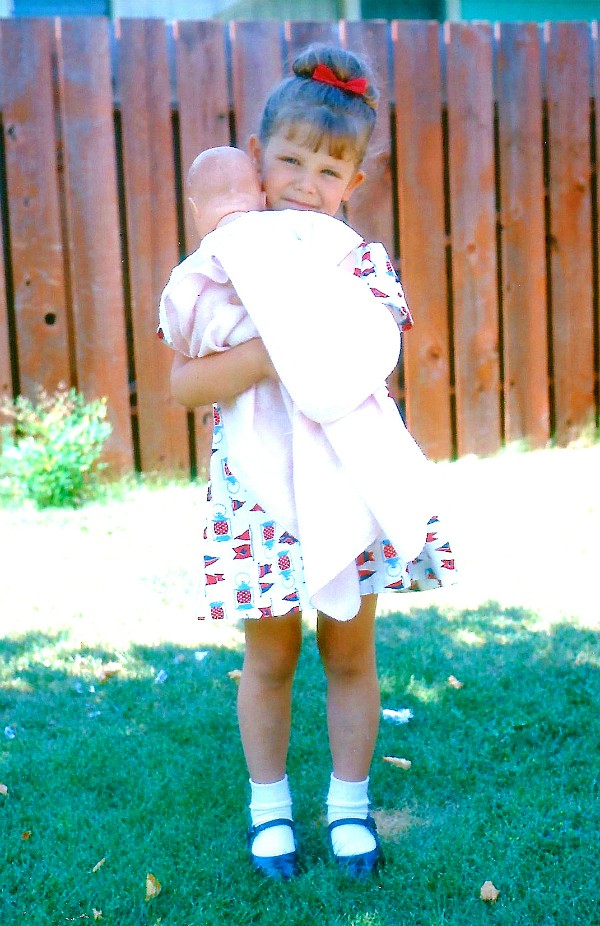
[
  {"x": 277, "y": 867},
  {"x": 359, "y": 867}
]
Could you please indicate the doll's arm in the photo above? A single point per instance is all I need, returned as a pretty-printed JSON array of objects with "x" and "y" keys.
[{"x": 220, "y": 377}]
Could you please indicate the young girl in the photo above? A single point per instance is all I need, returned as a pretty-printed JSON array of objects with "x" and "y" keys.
[{"x": 312, "y": 140}]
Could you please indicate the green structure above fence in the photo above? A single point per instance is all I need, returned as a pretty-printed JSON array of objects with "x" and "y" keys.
[{"x": 318, "y": 10}]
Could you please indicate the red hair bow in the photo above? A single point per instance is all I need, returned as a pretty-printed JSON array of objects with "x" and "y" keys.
[{"x": 325, "y": 75}]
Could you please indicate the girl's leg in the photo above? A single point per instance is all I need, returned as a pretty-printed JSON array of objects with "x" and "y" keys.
[
  {"x": 353, "y": 707},
  {"x": 265, "y": 692},
  {"x": 347, "y": 651},
  {"x": 264, "y": 713}
]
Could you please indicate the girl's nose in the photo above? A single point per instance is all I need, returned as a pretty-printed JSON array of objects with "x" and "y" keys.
[{"x": 305, "y": 181}]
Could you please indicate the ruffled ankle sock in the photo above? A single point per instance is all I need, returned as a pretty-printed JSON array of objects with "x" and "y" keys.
[
  {"x": 349, "y": 799},
  {"x": 270, "y": 802}
]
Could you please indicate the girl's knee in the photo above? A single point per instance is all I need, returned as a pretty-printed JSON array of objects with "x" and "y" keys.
[
  {"x": 348, "y": 649},
  {"x": 347, "y": 663},
  {"x": 272, "y": 651},
  {"x": 346, "y": 657}
]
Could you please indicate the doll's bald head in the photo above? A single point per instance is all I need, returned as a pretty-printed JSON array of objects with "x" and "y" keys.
[{"x": 222, "y": 182}]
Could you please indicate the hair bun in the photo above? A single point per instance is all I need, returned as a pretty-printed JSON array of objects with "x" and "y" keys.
[{"x": 344, "y": 64}]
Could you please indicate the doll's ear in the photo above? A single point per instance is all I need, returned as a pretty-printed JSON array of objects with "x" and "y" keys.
[{"x": 194, "y": 209}]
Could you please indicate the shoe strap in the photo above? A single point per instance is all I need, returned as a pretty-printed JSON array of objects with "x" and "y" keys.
[
  {"x": 367, "y": 822},
  {"x": 280, "y": 821}
]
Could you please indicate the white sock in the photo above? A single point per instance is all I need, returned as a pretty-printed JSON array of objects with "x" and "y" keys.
[
  {"x": 270, "y": 802},
  {"x": 349, "y": 799}
]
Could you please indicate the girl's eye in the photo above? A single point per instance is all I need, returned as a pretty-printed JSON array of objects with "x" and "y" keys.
[
  {"x": 288, "y": 159},
  {"x": 330, "y": 172}
]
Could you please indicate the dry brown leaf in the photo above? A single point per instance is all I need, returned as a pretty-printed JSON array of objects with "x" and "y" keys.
[
  {"x": 488, "y": 892},
  {"x": 3, "y": 790},
  {"x": 454, "y": 682},
  {"x": 399, "y": 763},
  {"x": 153, "y": 886},
  {"x": 98, "y": 865},
  {"x": 26, "y": 835},
  {"x": 236, "y": 675},
  {"x": 97, "y": 913},
  {"x": 107, "y": 671}
]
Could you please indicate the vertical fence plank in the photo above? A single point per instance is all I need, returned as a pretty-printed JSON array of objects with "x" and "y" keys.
[
  {"x": 6, "y": 383},
  {"x": 93, "y": 224},
  {"x": 301, "y": 34},
  {"x": 202, "y": 94},
  {"x": 524, "y": 304},
  {"x": 596, "y": 243},
  {"x": 371, "y": 208},
  {"x": 568, "y": 92},
  {"x": 33, "y": 203},
  {"x": 203, "y": 100},
  {"x": 150, "y": 201},
  {"x": 256, "y": 68},
  {"x": 418, "y": 94},
  {"x": 473, "y": 220}
]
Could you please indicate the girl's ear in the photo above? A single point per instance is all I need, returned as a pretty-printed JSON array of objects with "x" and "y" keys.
[
  {"x": 357, "y": 179},
  {"x": 255, "y": 152}
]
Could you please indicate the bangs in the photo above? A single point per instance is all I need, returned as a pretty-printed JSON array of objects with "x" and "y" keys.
[{"x": 338, "y": 130}]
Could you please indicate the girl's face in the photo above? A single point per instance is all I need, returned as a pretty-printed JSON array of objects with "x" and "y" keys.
[{"x": 296, "y": 177}]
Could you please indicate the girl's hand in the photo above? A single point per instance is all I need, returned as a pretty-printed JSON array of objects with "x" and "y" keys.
[{"x": 220, "y": 377}]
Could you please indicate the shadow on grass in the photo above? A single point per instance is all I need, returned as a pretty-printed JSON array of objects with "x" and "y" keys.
[{"x": 146, "y": 771}]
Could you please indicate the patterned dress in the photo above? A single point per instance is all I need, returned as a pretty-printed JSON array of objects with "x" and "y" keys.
[{"x": 252, "y": 566}]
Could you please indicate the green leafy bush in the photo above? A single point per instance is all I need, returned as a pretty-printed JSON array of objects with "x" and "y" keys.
[{"x": 51, "y": 449}]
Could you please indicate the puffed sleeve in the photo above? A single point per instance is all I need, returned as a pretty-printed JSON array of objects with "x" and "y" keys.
[{"x": 375, "y": 267}]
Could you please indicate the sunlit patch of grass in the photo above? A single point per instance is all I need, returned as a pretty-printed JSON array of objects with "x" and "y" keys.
[
  {"x": 423, "y": 691},
  {"x": 470, "y": 638},
  {"x": 393, "y": 824}
]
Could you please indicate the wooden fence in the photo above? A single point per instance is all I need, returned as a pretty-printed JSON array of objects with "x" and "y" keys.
[{"x": 482, "y": 184}]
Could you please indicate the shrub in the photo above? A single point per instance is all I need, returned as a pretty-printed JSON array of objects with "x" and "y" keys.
[{"x": 50, "y": 452}]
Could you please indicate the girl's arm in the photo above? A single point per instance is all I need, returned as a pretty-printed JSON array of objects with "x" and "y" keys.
[{"x": 220, "y": 377}]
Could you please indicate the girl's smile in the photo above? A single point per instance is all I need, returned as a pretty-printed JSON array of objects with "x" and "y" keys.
[{"x": 296, "y": 177}]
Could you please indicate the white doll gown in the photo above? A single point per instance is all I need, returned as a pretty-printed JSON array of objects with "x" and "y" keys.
[{"x": 253, "y": 568}]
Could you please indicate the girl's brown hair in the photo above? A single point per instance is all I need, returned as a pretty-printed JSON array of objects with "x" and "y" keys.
[{"x": 312, "y": 112}]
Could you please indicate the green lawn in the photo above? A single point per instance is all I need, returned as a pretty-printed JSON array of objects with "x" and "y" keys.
[{"x": 146, "y": 772}]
